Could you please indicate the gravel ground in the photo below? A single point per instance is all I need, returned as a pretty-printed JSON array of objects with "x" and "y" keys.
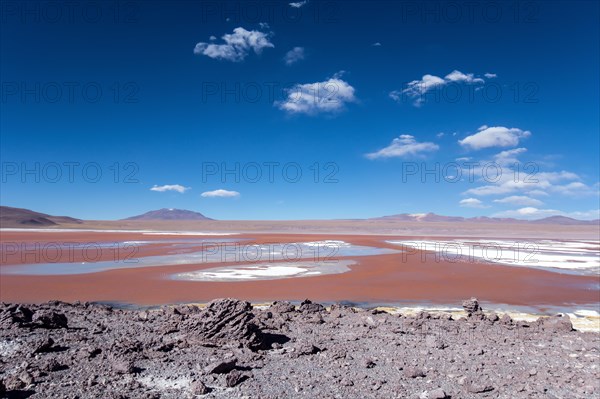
[{"x": 231, "y": 350}]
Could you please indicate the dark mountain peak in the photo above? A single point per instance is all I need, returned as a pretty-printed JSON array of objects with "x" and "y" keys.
[{"x": 170, "y": 214}]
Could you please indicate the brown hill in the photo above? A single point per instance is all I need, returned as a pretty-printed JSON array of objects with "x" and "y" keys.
[{"x": 19, "y": 217}]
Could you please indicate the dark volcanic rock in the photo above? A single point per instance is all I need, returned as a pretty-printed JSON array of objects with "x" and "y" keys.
[
  {"x": 282, "y": 307},
  {"x": 308, "y": 306},
  {"x": 558, "y": 323},
  {"x": 234, "y": 378},
  {"x": 471, "y": 306},
  {"x": 41, "y": 344},
  {"x": 15, "y": 314},
  {"x": 221, "y": 367},
  {"x": 50, "y": 319},
  {"x": 226, "y": 321},
  {"x": 198, "y": 388},
  {"x": 303, "y": 348}
]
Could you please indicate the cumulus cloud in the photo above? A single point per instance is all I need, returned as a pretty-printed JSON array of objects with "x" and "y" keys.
[
  {"x": 170, "y": 187},
  {"x": 376, "y": 44},
  {"x": 220, "y": 193},
  {"x": 298, "y": 4},
  {"x": 490, "y": 75},
  {"x": 495, "y": 136},
  {"x": 405, "y": 145},
  {"x": 329, "y": 96},
  {"x": 417, "y": 89},
  {"x": 519, "y": 200},
  {"x": 509, "y": 157},
  {"x": 540, "y": 183},
  {"x": 536, "y": 213},
  {"x": 472, "y": 203},
  {"x": 294, "y": 55},
  {"x": 458, "y": 76},
  {"x": 236, "y": 46}
]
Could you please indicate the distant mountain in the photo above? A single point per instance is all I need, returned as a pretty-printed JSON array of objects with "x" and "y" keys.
[
  {"x": 170, "y": 214},
  {"x": 565, "y": 221},
  {"x": 19, "y": 217},
  {"x": 421, "y": 217},
  {"x": 432, "y": 217}
]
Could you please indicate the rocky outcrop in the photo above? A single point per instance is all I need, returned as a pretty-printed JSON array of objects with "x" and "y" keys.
[
  {"x": 230, "y": 349},
  {"x": 225, "y": 322}
]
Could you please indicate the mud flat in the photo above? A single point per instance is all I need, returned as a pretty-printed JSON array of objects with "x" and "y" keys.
[
  {"x": 229, "y": 349},
  {"x": 365, "y": 269}
]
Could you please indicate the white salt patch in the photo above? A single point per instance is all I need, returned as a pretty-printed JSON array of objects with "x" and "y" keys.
[
  {"x": 160, "y": 383},
  {"x": 266, "y": 271},
  {"x": 587, "y": 313},
  {"x": 8, "y": 348},
  {"x": 545, "y": 253}
]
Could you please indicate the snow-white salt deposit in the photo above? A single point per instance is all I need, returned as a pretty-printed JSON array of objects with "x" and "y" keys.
[{"x": 579, "y": 256}]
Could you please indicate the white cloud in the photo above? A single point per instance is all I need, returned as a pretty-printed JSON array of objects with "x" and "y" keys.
[
  {"x": 329, "y": 96},
  {"x": 539, "y": 183},
  {"x": 405, "y": 145},
  {"x": 458, "y": 76},
  {"x": 520, "y": 200},
  {"x": 490, "y": 75},
  {"x": 535, "y": 213},
  {"x": 416, "y": 89},
  {"x": 220, "y": 193},
  {"x": 170, "y": 187},
  {"x": 440, "y": 135},
  {"x": 508, "y": 157},
  {"x": 496, "y": 136},
  {"x": 472, "y": 203},
  {"x": 463, "y": 159},
  {"x": 376, "y": 44},
  {"x": 294, "y": 55},
  {"x": 237, "y": 45},
  {"x": 298, "y": 4}
]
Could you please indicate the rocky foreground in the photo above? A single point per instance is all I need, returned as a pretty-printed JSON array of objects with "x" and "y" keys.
[{"x": 231, "y": 350}]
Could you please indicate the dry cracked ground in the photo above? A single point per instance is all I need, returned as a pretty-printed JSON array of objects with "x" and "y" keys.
[{"x": 231, "y": 350}]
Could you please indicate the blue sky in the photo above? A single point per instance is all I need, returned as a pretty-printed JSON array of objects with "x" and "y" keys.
[{"x": 383, "y": 107}]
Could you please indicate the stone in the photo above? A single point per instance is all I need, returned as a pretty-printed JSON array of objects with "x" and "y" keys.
[
  {"x": 308, "y": 306},
  {"x": 471, "y": 306},
  {"x": 413, "y": 372},
  {"x": 234, "y": 378},
  {"x": 221, "y": 367},
  {"x": 42, "y": 344},
  {"x": 226, "y": 321},
  {"x": 558, "y": 323},
  {"x": 198, "y": 388},
  {"x": 50, "y": 319}
]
